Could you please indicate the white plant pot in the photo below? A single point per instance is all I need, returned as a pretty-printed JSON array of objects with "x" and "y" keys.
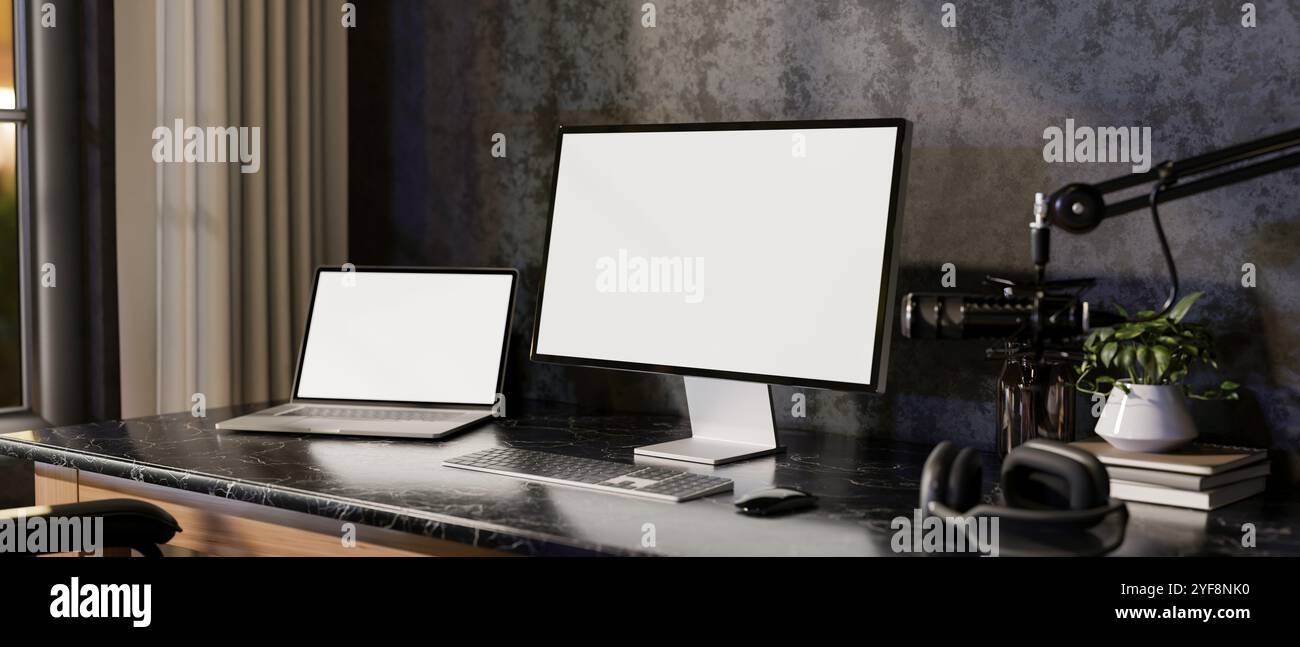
[{"x": 1149, "y": 418}]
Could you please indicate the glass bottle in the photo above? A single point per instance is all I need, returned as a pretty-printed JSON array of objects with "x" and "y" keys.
[{"x": 1035, "y": 399}]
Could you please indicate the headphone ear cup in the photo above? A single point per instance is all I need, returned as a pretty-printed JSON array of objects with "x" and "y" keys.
[
  {"x": 934, "y": 476},
  {"x": 965, "y": 480},
  {"x": 1050, "y": 476},
  {"x": 1099, "y": 481}
]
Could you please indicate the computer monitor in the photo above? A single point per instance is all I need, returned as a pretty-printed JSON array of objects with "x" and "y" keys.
[{"x": 737, "y": 255}]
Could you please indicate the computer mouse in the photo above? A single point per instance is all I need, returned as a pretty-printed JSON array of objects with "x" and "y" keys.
[{"x": 773, "y": 501}]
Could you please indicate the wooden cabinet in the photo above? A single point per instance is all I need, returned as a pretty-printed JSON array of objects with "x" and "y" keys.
[{"x": 214, "y": 526}]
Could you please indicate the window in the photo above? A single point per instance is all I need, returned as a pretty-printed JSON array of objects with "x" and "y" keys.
[{"x": 12, "y": 168}]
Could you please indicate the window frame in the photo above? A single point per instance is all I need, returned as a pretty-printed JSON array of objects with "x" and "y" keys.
[{"x": 22, "y": 414}]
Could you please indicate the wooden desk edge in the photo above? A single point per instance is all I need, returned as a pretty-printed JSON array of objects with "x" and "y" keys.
[{"x": 215, "y": 526}]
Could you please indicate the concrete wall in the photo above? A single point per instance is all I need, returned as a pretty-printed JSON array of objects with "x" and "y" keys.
[{"x": 431, "y": 82}]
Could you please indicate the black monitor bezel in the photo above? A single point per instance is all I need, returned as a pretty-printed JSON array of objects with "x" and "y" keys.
[
  {"x": 888, "y": 274},
  {"x": 370, "y": 269}
]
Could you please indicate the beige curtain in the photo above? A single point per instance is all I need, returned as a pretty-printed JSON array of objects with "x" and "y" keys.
[{"x": 236, "y": 252}]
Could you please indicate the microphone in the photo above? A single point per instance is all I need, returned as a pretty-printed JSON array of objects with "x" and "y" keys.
[{"x": 974, "y": 316}]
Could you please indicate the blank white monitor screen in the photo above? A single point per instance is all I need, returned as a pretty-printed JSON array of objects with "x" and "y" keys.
[
  {"x": 760, "y": 252},
  {"x": 421, "y": 337}
]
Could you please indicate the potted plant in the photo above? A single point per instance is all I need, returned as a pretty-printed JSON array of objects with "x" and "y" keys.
[{"x": 1143, "y": 366}]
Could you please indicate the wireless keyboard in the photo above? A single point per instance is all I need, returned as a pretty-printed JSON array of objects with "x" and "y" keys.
[{"x": 607, "y": 476}]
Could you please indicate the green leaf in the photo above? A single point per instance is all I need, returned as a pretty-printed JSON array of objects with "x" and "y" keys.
[
  {"x": 1122, "y": 312},
  {"x": 1128, "y": 332},
  {"x": 1184, "y": 304},
  {"x": 1125, "y": 359},
  {"x": 1162, "y": 360},
  {"x": 1229, "y": 385},
  {"x": 1147, "y": 360},
  {"x": 1105, "y": 333},
  {"x": 1145, "y": 314},
  {"x": 1108, "y": 353}
]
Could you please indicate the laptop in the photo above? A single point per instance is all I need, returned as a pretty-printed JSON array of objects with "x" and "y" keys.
[{"x": 405, "y": 352}]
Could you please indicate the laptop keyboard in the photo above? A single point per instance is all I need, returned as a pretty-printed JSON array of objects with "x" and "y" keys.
[{"x": 376, "y": 414}]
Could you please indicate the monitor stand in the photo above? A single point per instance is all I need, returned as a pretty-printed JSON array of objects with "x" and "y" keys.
[{"x": 730, "y": 421}]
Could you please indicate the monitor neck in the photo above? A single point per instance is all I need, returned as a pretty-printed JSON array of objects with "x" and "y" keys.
[{"x": 730, "y": 421}]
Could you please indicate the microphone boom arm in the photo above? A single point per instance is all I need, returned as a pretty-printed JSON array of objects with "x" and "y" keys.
[{"x": 1079, "y": 208}]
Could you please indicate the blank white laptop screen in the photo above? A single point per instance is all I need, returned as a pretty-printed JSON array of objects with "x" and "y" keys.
[
  {"x": 419, "y": 337},
  {"x": 748, "y": 251}
]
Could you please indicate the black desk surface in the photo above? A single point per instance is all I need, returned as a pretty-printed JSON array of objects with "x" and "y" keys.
[{"x": 400, "y": 484}]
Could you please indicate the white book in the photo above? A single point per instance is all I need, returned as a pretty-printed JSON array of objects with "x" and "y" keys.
[
  {"x": 1178, "y": 481},
  {"x": 1208, "y": 500},
  {"x": 1197, "y": 458}
]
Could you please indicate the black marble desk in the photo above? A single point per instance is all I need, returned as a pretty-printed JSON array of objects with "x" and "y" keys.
[{"x": 400, "y": 485}]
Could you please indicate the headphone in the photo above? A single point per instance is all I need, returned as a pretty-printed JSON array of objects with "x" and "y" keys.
[{"x": 1055, "y": 497}]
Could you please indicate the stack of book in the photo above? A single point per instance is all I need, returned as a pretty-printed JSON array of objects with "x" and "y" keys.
[{"x": 1200, "y": 476}]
